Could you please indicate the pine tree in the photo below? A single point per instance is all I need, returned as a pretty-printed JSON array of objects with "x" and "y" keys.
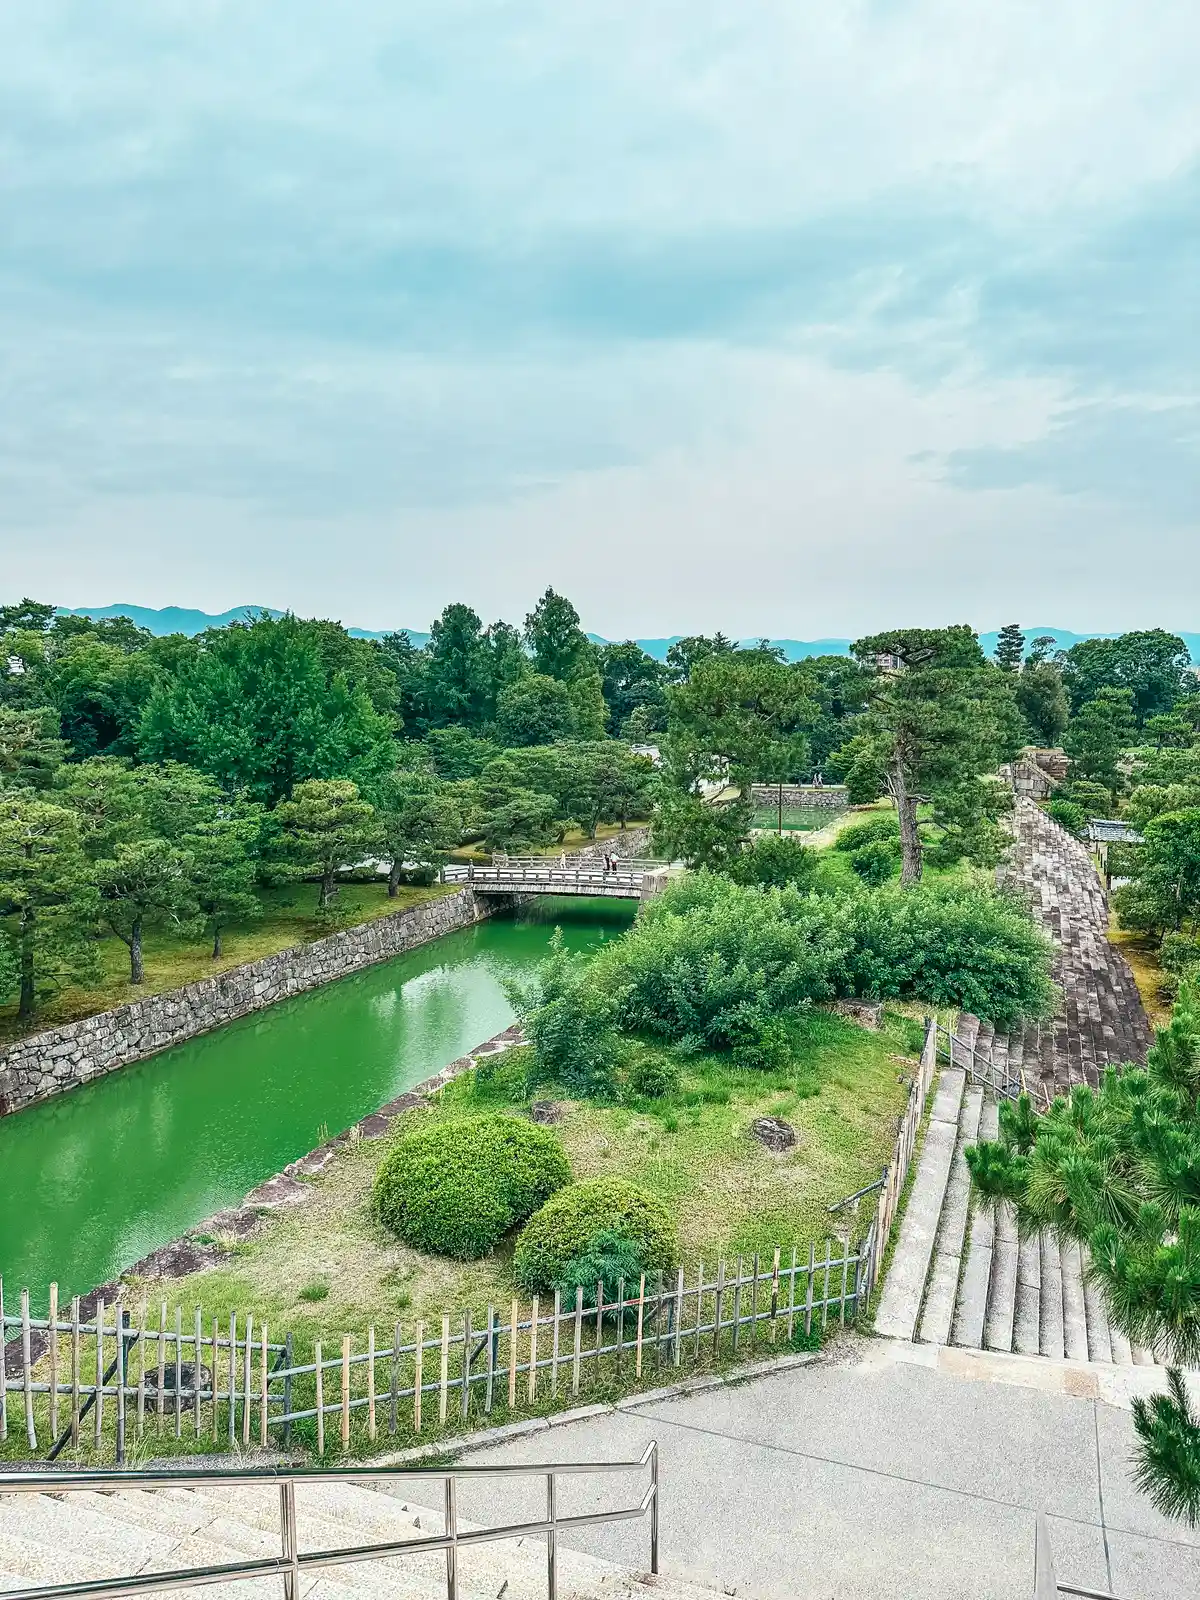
[
  {"x": 1118, "y": 1170},
  {"x": 324, "y": 827},
  {"x": 1010, "y": 648}
]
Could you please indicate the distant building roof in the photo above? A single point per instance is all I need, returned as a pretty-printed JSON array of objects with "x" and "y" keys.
[{"x": 1101, "y": 830}]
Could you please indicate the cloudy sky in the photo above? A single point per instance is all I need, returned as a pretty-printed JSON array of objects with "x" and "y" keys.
[{"x": 788, "y": 318}]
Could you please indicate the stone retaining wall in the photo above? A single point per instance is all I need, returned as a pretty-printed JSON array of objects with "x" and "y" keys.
[
  {"x": 48, "y": 1063},
  {"x": 803, "y": 796}
]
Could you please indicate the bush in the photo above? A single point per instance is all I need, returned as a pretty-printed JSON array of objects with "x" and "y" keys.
[
  {"x": 454, "y": 1188},
  {"x": 882, "y": 829},
  {"x": 655, "y": 1077},
  {"x": 1069, "y": 814},
  {"x": 1094, "y": 799},
  {"x": 569, "y": 1022},
  {"x": 773, "y": 1050},
  {"x": 772, "y": 862},
  {"x": 585, "y": 1222},
  {"x": 876, "y": 862}
]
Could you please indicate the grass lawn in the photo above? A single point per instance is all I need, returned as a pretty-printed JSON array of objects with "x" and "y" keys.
[
  {"x": 329, "y": 1268},
  {"x": 1141, "y": 952},
  {"x": 576, "y": 839},
  {"x": 796, "y": 819},
  {"x": 288, "y": 919}
]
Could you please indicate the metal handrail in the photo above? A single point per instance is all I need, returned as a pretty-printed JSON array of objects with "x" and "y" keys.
[
  {"x": 1011, "y": 1085},
  {"x": 291, "y": 1562}
]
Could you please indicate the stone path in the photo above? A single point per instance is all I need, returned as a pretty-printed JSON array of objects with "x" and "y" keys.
[{"x": 1101, "y": 1021}]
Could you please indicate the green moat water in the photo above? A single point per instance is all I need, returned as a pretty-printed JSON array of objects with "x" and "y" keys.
[{"x": 94, "y": 1180}]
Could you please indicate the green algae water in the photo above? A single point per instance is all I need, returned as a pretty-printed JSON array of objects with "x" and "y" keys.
[{"x": 94, "y": 1180}]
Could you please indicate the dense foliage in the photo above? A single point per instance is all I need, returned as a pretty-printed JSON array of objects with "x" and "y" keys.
[
  {"x": 717, "y": 962},
  {"x": 596, "y": 1231},
  {"x": 455, "y": 1188},
  {"x": 1118, "y": 1169}
]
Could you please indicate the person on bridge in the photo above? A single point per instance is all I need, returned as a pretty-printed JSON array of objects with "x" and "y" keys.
[{"x": 562, "y": 861}]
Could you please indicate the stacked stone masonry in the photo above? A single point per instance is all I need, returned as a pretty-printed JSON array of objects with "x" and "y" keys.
[
  {"x": 802, "y": 796},
  {"x": 49, "y": 1063}
]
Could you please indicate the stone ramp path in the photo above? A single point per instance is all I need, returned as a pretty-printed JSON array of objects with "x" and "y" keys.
[{"x": 1101, "y": 1021}]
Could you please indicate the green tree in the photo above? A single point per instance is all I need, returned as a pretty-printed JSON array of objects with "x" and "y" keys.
[
  {"x": 30, "y": 750},
  {"x": 1165, "y": 888},
  {"x": 147, "y": 880},
  {"x": 455, "y": 753},
  {"x": 1152, "y": 665},
  {"x": 46, "y": 888},
  {"x": 1116, "y": 1169},
  {"x": 684, "y": 655},
  {"x": 688, "y": 828},
  {"x": 941, "y": 720},
  {"x": 558, "y": 645},
  {"x": 570, "y": 1023},
  {"x": 1042, "y": 701},
  {"x": 523, "y": 819},
  {"x": 587, "y": 704},
  {"x": 119, "y": 803},
  {"x": 101, "y": 690},
  {"x": 326, "y": 826},
  {"x": 1098, "y": 734},
  {"x": 420, "y": 820},
  {"x": 632, "y": 681},
  {"x": 535, "y": 710},
  {"x": 457, "y": 677},
  {"x": 1169, "y": 730},
  {"x": 224, "y": 847},
  {"x": 739, "y": 715},
  {"x": 1010, "y": 648},
  {"x": 258, "y": 709}
]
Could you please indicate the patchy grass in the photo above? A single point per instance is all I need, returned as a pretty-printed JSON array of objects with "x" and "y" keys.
[
  {"x": 796, "y": 819},
  {"x": 1141, "y": 952},
  {"x": 728, "y": 1195},
  {"x": 289, "y": 919},
  {"x": 576, "y": 839}
]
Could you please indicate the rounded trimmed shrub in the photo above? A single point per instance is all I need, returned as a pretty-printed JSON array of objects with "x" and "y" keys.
[
  {"x": 587, "y": 1219},
  {"x": 876, "y": 862},
  {"x": 455, "y": 1188},
  {"x": 654, "y": 1077}
]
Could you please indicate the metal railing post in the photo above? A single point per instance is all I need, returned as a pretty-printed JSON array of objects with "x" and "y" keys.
[
  {"x": 287, "y": 1527},
  {"x": 452, "y": 1532},
  {"x": 654, "y": 1506},
  {"x": 551, "y": 1539}
]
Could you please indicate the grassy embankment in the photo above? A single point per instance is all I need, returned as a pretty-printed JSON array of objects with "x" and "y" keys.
[{"x": 288, "y": 919}]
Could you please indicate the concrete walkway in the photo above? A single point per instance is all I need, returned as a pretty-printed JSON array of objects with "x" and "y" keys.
[{"x": 886, "y": 1470}]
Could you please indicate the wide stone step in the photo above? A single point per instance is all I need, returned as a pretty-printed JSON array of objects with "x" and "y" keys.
[
  {"x": 938, "y": 1314},
  {"x": 1027, "y": 1314},
  {"x": 904, "y": 1290},
  {"x": 1002, "y": 1289},
  {"x": 970, "y": 1314}
]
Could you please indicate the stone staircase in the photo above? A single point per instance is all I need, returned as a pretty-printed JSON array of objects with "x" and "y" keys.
[
  {"x": 964, "y": 1278},
  {"x": 46, "y": 1538}
]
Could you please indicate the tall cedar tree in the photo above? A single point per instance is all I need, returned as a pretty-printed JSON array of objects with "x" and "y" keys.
[
  {"x": 46, "y": 888},
  {"x": 1010, "y": 648},
  {"x": 1118, "y": 1170}
]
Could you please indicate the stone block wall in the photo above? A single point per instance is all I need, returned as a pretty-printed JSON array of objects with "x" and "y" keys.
[
  {"x": 48, "y": 1063},
  {"x": 802, "y": 796}
]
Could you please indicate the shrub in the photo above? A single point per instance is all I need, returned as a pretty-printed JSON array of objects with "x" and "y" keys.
[
  {"x": 654, "y": 1077},
  {"x": 773, "y": 1050},
  {"x": 454, "y": 1188},
  {"x": 584, "y": 1222},
  {"x": 1069, "y": 814},
  {"x": 569, "y": 1022},
  {"x": 873, "y": 830},
  {"x": 876, "y": 862},
  {"x": 772, "y": 862}
]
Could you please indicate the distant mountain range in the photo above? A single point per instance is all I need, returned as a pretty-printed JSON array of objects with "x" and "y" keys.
[{"x": 181, "y": 619}]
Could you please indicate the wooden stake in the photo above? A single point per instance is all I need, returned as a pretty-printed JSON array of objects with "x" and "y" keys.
[
  {"x": 246, "y": 1360},
  {"x": 491, "y": 1360},
  {"x": 75, "y": 1364},
  {"x": 845, "y": 1273},
  {"x": 554, "y": 1350},
  {"x": 394, "y": 1396},
  {"x": 419, "y": 1360},
  {"x": 98, "y": 1408},
  {"x": 512, "y": 1357},
  {"x": 198, "y": 1368},
  {"x": 825, "y": 1302},
  {"x": 533, "y": 1333},
  {"x": 216, "y": 1345},
  {"x": 444, "y": 1370},
  {"x": 637, "y": 1371},
  {"x": 345, "y": 1392},
  {"x": 27, "y": 1373},
  {"x": 791, "y": 1295},
  {"x": 371, "y": 1383},
  {"x": 578, "y": 1338},
  {"x": 699, "y": 1309},
  {"x": 754, "y": 1303},
  {"x": 808, "y": 1292},
  {"x": 720, "y": 1294},
  {"x": 737, "y": 1307},
  {"x": 52, "y": 1318},
  {"x": 319, "y": 1374},
  {"x": 774, "y": 1292},
  {"x": 620, "y": 1322},
  {"x": 141, "y": 1388},
  {"x": 264, "y": 1380},
  {"x": 161, "y": 1399},
  {"x": 678, "y": 1315},
  {"x": 179, "y": 1372},
  {"x": 466, "y": 1372},
  {"x": 232, "y": 1379}
]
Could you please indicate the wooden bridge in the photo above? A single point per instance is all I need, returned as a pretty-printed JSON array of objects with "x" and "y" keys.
[{"x": 631, "y": 879}]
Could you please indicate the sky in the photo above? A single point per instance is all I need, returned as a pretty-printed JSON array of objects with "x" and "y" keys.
[{"x": 789, "y": 319}]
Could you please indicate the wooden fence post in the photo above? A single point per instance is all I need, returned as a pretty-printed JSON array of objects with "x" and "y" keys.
[
  {"x": 345, "y": 1392},
  {"x": 246, "y": 1358},
  {"x": 444, "y": 1371},
  {"x": 466, "y": 1374},
  {"x": 578, "y": 1339},
  {"x": 76, "y": 1358},
  {"x": 319, "y": 1375},
  {"x": 98, "y": 1408},
  {"x": 512, "y": 1355},
  {"x": 179, "y": 1372},
  {"x": 27, "y": 1372},
  {"x": 641, "y": 1309},
  {"x": 371, "y": 1383},
  {"x": 52, "y": 1318},
  {"x": 160, "y": 1400},
  {"x": 531, "y": 1393},
  {"x": 678, "y": 1316},
  {"x": 418, "y": 1364},
  {"x": 264, "y": 1381},
  {"x": 554, "y": 1343}
]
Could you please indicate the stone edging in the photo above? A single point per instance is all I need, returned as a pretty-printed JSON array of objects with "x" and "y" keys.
[{"x": 49, "y": 1063}]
